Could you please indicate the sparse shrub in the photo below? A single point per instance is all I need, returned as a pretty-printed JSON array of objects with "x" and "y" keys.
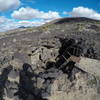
[
  {"x": 29, "y": 29},
  {"x": 80, "y": 26},
  {"x": 92, "y": 82},
  {"x": 47, "y": 27}
]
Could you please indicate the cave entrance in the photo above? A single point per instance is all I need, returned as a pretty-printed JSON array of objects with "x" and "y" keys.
[{"x": 69, "y": 48}]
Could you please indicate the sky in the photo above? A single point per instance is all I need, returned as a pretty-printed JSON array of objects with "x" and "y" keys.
[{"x": 29, "y": 13}]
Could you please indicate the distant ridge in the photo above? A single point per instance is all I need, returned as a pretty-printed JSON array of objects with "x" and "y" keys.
[
  {"x": 72, "y": 19},
  {"x": 22, "y": 27}
]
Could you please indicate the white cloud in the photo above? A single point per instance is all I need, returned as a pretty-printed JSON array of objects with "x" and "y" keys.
[
  {"x": 5, "y": 23},
  {"x": 8, "y": 4},
  {"x": 2, "y": 19},
  {"x": 30, "y": 13},
  {"x": 85, "y": 12},
  {"x": 65, "y": 12},
  {"x": 30, "y": 23},
  {"x": 9, "y": 24}
]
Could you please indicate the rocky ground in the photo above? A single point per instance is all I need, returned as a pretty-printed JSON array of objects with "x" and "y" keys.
[{"x": 32, "y": 66}]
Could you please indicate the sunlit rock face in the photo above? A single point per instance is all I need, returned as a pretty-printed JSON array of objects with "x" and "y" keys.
[{"x": 34, "y": 66}]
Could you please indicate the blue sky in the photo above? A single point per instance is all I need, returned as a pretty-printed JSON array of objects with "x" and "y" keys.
[{"x": 16, "y": 13}]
